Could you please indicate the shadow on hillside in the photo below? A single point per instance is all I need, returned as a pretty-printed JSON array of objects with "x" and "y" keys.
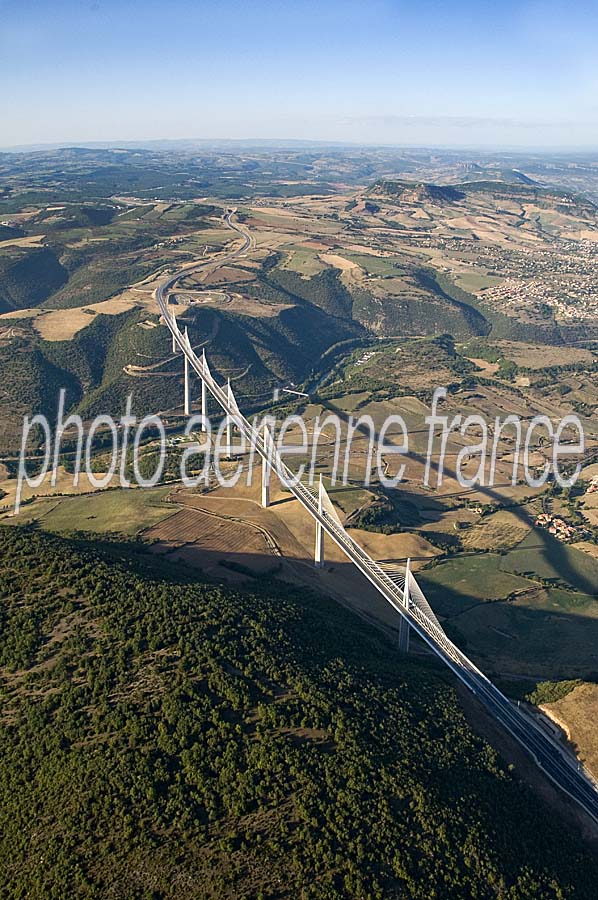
[
  {"x": 501, "y": 637},
  {"x": 549, "y": 548}
]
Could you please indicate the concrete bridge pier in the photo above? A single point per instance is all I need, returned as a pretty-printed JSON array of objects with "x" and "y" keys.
[
  {"x": 187, "y": 400},
  {"x": 319, "y": 550},
  {"x": 204, "y": 394},
  {"x": 404, "y": 636},
  {"x": 266, "y": 468},
  {"x": 229, "y": 422},
  {"x": 404, "y": 628}
]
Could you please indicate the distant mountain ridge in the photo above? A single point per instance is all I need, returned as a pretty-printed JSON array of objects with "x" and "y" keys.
[
  {"x": 416, "y": 192},
  {"x": 422, "y": 191}
]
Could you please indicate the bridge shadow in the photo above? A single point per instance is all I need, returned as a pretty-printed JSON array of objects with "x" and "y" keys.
[
  {"x": 504, "y": 637},
  {"x": 338, "y": 579},
  {"x": 186, "y": 562},
  {"x": 281, "y": 501},
  {"x": 517, "y": 639},
  {"x": 550, "y": 550}
]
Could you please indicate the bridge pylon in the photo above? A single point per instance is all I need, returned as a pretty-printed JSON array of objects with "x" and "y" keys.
[
  {"x": 229, "y": 421},
  {"x": 404, "y": 628},
  {"x": 204, "y": 390},
  {"x": 266, "y": 468},
  {"x": 187, "y": 407},
  {"x": 319, "y": 549}
]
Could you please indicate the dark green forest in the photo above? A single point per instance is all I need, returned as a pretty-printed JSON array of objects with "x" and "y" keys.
[{"x": 166, "y": 737}]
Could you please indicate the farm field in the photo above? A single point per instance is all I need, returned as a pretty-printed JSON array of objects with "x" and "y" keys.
[
  {"x": 218, "y": 545},
  {"x": 465, "y": 581},
  {"x": 127, "y": 511},
  {"x": 539, "y": 635},
  {"x": 500, "y": 531},
  {"x": 576, "y": 714},
  {"x": 542, "y": 555},
  {"x": 64, "y": 485},
  {"x": 64, "y": 324},
  {"x": 536, "y": 356}
]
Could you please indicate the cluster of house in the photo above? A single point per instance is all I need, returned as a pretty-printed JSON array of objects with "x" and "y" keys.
[
  {"x": 560, "y": 528},
  {"x": 593, "y": 486},
  {"x": 569, "y": 298},
  {"x": 562, "y": 276},
  {"x": 366, "y": 356},
  {"x": 169, "y": 242}
]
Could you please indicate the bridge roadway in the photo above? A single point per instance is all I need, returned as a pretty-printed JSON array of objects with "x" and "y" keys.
[{"x": 560, "y": 767}]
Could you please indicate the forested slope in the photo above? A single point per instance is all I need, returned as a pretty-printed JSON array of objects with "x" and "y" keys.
[
  {"x": 165, "y": 738},
  {"x": 29, "y": 276}
]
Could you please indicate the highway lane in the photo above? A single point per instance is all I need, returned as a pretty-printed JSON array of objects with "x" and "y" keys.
[
  {"x": 562, "y": 770},
  {"x": 171, "y": 280}
]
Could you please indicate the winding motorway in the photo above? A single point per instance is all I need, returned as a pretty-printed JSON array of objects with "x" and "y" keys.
[
  {"x": 170, "y": 281},
  {"x": 412, "y": 605}
]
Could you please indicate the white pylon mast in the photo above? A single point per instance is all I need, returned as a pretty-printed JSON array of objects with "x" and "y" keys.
[
  {"x": 266, "y": 468},
  {"x": 204, "y": 391},
  {"x": 187, "y": 403},
  {"x": 319, "y": 551},
  {"x": 404, "y": 624},
  {"x": 229, "y": 421},
  {"x": 407, "y": 585}
]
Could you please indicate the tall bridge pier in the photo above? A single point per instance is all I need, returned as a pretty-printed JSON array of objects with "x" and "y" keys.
[
  {"x": 204, "y": 392},
  {"x": 187, "y": 408},
  {"x": 266, "y": 467},
  {"x": 319, "y": 548},
  {"x": 229, "y": 421},
  {"x": 404, "y": 628}
]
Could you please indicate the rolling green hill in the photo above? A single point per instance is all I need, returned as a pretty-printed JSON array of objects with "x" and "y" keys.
[
  {"x": 28, "y": 277},
  {"x": 163, "y": 737},
  {"x": 8, "y": 232},
  {"x": 30, "y": 384},
  {"x": 258, "y": 353},
  {"x": 421, "y": 191}
]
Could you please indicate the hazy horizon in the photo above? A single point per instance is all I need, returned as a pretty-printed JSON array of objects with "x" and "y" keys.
[
  {"x": 520, "y": 77},
  {"x": 189, "y": 143}
]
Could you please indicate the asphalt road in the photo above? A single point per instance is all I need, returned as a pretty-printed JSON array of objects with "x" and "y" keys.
[{"x": 171, "y": 280}]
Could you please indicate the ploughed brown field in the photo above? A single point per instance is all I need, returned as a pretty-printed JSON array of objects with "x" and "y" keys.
[{"x": 204, "y": 540}]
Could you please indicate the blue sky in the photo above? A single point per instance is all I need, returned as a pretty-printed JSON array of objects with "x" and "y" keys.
[{"x": 455, "y": 73}]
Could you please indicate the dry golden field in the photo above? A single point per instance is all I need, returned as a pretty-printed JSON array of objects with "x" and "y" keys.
[{"x": 577, "y": 714}]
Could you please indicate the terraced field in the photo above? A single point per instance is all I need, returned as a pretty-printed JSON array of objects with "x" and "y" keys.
[{"x": 206, "y": 539}]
